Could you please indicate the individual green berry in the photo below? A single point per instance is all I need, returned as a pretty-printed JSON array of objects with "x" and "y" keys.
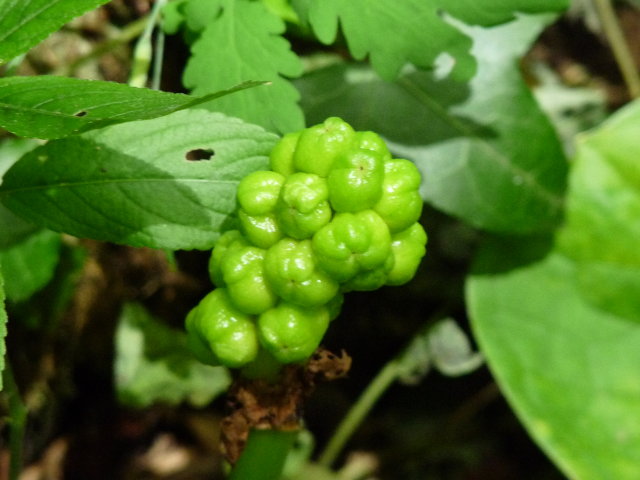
[
  {"x": 226, "y": 243},
  {"x": 303, "y": 208},
  {"x": 281, "y": 157},
  {"x": 229, "y": 333},
  {"x": 291, "y": 270},
  {"x": 261, "y": 230},
  {"x": 291, "y": 333},
  {"x": 243, "y": 274},
  {"x": 355, "y": 181},
  {"x": 352, "y": 243},
  {"x": 197, "y": 344},
  {"x": 408, "y": 248},
  {"x": 400, "y": 204},
  {"x": 320, "y": 145},
  {"x": 258, "y": 192},
  {"x": 372, "y": 141},
  {"x": 369, "y": 280}
]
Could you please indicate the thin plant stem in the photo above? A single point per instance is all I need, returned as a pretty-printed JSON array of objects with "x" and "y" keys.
[
  {"x": 156, "y": 78},
  {"x": 619, "y": 46},
  {"x": 125, "y": 35},
  {"x": 143, "y": 51},
  {"x": 264, "y": 455},
  {"x": 383, "y": 380},
  {"x": 17, "y": 422}
]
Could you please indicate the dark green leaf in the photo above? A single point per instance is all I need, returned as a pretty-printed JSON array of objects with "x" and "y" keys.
[
  {"x": 30, "y": 265},
  {"x": 13, "y": 229},
  {"x": 154, "y": 365},
  {"x": 24, "y": 23},
  {"x": 137, "y": 184},
  {"x": 242, "y": 41},
  {"x": 487, "y": 152},
  {"x": 602, "y": 229},
  {"x": 54, "y": 107},
  {"x": 393, "y": 33},
  {"x": 569, "y": 370},
  {"x": 3, "y": 327}
]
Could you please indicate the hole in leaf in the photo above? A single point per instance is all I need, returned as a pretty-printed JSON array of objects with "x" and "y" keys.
[
  {"x": 81, "y": 113},
  {"x": 199, "y": 154}
]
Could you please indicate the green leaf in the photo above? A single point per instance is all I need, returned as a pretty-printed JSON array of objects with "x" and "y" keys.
[
  {"x": 569, "y": 370},
  {"x": 13, "y": 229},
  {"x": 3, "y": 327},
  {"x": 54, "y": 107},
  {"x": 494, "y": 12},
  {"x": 393, "y": 33},
  {"x": 601, "y": 231},
  {"x": 487, "y": 152},
  {"x": 30, "y": 265},
  {"x": 24, "y": 23},
  {"x": 139, "y": 183},
  {"x": 154, "y": 365},
  {"x": 242, "y": 41}
]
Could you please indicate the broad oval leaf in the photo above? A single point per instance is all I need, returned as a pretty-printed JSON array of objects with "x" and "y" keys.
[
  {"x": 602, "y": 230},
  {"x": 54, "y": 107},
  {"x": 24, "y": 23},
  {"x": 168, "y": 183},
  {"x": 569, "y": 369}
]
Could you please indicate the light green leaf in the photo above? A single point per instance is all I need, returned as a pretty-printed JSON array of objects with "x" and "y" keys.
[
  {"x": 3, "y": 327},
  {"x": 242, "y": 41},
  {"x": 30, "y": 265},
  {"x": 138, "y": 183},
  {"x": 569, "y": 370},
  {"x": 24, "y": 23},
  {"x": 54, "y": 107},
  {"x": 602, "y": 229},
  {"x": 154, "y": 365},
  {"x": 488, "y": 154},
  {"x": 393, "y": 33}
]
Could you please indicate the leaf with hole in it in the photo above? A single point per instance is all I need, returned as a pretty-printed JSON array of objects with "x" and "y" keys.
[
  {"x": 602, "y": 230},
  {"x": 28, "y": 266},
  {"x": 487, "y": 153},
  {"x": 241, "y": 40},
  {"x": 168, "y": 183},
  {"x": 24, "y": 23},
  {"x": 568, "y": 368},
  {"x": 54, "y": 107},
  {"x": 154, "y": 365}
]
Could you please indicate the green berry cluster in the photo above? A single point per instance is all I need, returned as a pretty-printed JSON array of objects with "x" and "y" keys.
[{"x": 336, "y": 213}]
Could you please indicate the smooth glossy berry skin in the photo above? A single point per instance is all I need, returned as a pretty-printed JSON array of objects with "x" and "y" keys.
[
  {"x": 408, "y": 247},
  {"x": 281, "y": 157},
  {"x": 320, "y": 145},
  {"x": 292, "y": 333},
  {"x": 261, "y": 230},
  {"x": 228, "y": 241},
  {"x": 355, "y": 181},
  {"x": 290, "y": 267},
  {"x": 303, "y": 206},
  {"x": 400, "y": 204},
  {"x": 243, "y": 274},
  {"x": 351, "y": 244},
  {"x": 258, "y": 192},
  {"x": 229, "y": 333}
]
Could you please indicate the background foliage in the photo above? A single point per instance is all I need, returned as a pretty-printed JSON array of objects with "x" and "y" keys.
[{"x": 532, "y": 217}]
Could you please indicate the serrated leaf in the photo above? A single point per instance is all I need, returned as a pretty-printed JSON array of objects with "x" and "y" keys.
[
  {"x": 569, "y": 370},
  {"x": 30, "y": 265},
  {"x": 241, "y": 42},
  {"x": 3, "y": 327},
  {"x": 54, "y": 107},
  {"x": 154, "y": 365},
  {"x": 601, "y": 231},
  {"x": 393, "y": 33},
  {"x": 135, "y": 183},
  {"x": 24, "y": 23},
  {"x": 487, "y": 152}
]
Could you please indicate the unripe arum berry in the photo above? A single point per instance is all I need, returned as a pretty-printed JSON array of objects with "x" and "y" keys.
[{"x": 335, "y": 213}]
